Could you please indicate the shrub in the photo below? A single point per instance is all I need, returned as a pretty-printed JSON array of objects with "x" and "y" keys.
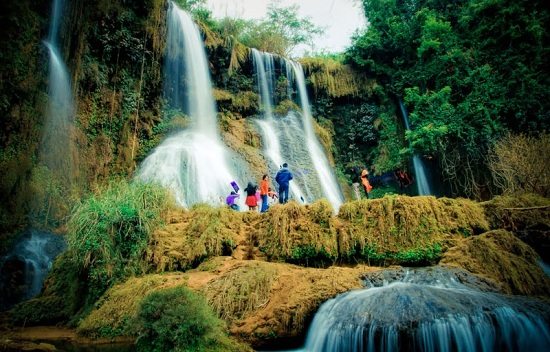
[
  {"x": 116, "y": 312},
  {"x": 522, "y": 163},
  {"x": 176, "y": 319},
  {"x": 108, "y": 233}
]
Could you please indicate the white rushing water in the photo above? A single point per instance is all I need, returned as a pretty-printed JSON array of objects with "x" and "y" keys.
[
  {"x": 327, "y": 178},
  {"x": 56, "y": 149},
  {"x": 421, "y": 312},
  {"x": 421, "y": 179},
  {"x": 192, "y": 163},
  {"x": 272, "y": 129},
  {"x": 291, "y": 138}
]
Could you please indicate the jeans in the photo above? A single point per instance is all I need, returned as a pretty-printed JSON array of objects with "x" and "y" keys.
[
  {"x": 283, "y": 194},
  {"x": 264, "y": 203}
]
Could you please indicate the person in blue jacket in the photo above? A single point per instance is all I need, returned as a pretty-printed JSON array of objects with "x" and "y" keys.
[{"x": 283, "y": 178}]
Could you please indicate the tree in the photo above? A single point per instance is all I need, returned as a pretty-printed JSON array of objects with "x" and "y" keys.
[{"x": 281, "y": 31}]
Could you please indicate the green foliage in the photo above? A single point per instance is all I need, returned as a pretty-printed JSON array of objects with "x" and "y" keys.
[
  {"x": 309, "y": 255},
  {"x": 280, "y": 32},
  {"x": 419, "y": 256},
  {"x": 108, "y": 233},
  {"x": 176, "y": 319},
  {"x": 469, "y": 70}
]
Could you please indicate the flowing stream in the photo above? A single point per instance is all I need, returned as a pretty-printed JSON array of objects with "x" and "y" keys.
[
  {"x": 422, "y": 184},
  {"x": 428, "y": 309},
  {"x": 193, "y": 163},
  {"x": 291, "y": 138},
  {"x": 24, "y": 268}
]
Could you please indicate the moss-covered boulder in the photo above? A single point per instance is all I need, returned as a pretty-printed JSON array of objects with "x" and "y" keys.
[
  {"x": 405, "y": 230},
  {"x": 193, "y": 236},
  {"x": 265, "y": 302},
  {"x": 525, "y": 215},
  {"x": 503, "y": 258},
  {"x": 300, "y": 234},
  {"x": 162, "y": 312}
]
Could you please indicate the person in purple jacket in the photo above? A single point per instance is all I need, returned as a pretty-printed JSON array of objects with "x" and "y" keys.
[
  {"x": 231, "y": 199},
  {"x": 283, "y": 178}
]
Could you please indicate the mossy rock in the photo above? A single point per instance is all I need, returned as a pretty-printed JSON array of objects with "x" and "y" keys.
[
  {"x": 525, "y": 215},
  {"x": 501, "y": 257},
  {"x": 201, "y": 233},
  {"x": 405, "y": 230},
  {"x": 296, "y": 233},
  {"x": 113, "y": 315}
]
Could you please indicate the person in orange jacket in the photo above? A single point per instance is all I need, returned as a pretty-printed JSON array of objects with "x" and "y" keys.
[
  {"x": 365, "y": 182},
  {"x": 264, "y": 189}
]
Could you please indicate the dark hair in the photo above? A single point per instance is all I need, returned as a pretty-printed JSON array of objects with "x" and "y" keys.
[
  {"x": 264, "y": 176},
  {"x": 285, "y": 165},
  {"x": 233, "y": 192}
]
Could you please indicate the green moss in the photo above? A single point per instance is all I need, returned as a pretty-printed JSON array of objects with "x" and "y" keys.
[
  {"x": 207, "y": 232},
  {"x": 285, "y": 106}
]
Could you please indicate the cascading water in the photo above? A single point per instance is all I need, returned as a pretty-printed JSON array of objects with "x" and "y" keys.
[
  {"x": 192, "y": 163},
  {"x": 429, "y": 309},
  {"x": 291, "y": 138},
  {"x": 330, "y": 187},
  {"x": 24, "y": 269},
  {"x": 56, "y": 148},
  {"x": 272, "y": 130},
  {"x": 422, "y": 183}
]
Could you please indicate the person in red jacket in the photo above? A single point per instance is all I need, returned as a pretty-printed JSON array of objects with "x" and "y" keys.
[{"x": 251, "y": 199}]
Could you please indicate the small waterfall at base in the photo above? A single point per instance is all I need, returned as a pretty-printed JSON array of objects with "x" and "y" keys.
[
  {"x": 23, "y": 270},
  {"x": 421, "y": 179},
  {"x": 192, "y": 163},
  {"x": 429, "y": 309}
]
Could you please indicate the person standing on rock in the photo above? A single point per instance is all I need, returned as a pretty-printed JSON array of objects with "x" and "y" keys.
[
  {"x": 251, "y": 199},
  {"x": 365, "y": 182},
  {"x": 283, "y": 178},
  {"x": 264, "y": 189}
]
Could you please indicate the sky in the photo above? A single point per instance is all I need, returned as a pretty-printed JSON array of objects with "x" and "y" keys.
[{"x": 339, "y": 18}]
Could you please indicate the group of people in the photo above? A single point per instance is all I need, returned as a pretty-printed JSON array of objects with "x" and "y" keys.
[{"x": 265, "y": 193}]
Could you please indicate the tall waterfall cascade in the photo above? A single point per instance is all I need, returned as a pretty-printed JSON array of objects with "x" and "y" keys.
[
  {"x": 428, "y": 310},
  {"x": 56, "y": 149},
  {"x": 291, "y": 138},
  {"x": 193, "y": 163},
  {"x": 419, "y": 166}
]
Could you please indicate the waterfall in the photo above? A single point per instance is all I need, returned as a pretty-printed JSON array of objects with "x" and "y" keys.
[
  {"x": 422, "y": 184},
  {"x": 192, "y": 163},
  {"x": 23, "y": 269},
  {"x": 273, "y": 130},
  {"x": 428, "y": 310},
  {"x": 326, "y": 176},
  {"x": 291, "y": 138},
  {"x": 56, "y": 147}
]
